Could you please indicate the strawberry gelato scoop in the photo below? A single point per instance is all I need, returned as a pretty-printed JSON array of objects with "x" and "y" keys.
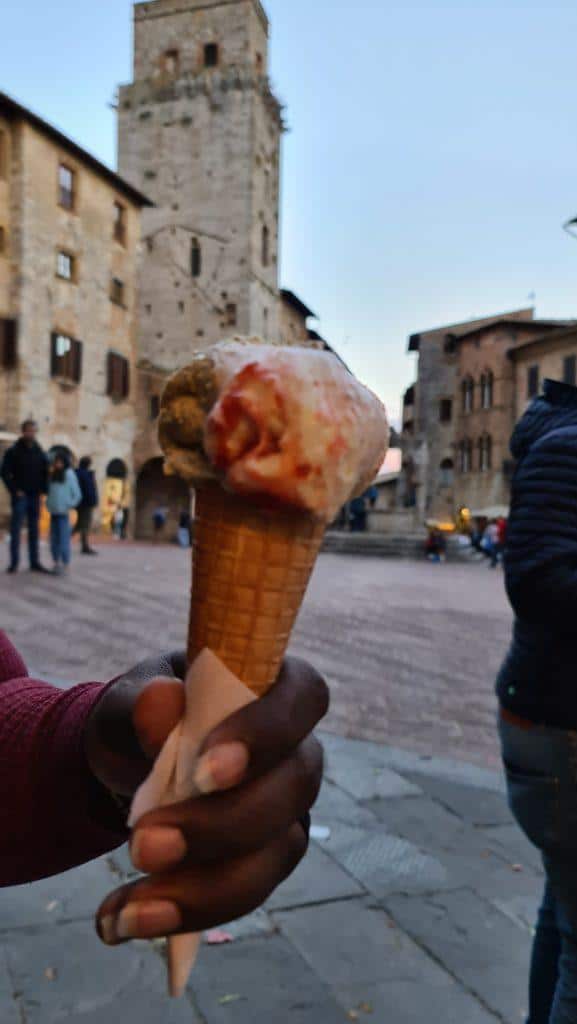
[{"x": 269, "y": 422}]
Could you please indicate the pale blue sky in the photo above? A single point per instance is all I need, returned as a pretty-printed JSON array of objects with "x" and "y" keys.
[{"x": 431, "y": 161}]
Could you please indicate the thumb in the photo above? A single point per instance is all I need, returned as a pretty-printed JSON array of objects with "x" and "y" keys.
[{"x": 157, "y": 711}]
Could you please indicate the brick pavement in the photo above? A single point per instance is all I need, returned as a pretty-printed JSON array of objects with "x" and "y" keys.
[{"x": 410, "y": 649}]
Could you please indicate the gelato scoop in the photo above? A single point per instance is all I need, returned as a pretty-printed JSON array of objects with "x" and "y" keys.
[{"x": 289, "y": 424}]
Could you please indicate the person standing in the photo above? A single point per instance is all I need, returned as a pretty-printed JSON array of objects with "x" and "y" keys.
[
  {"x": 89, "y": 501},
  {"x": 25, "y": 474},
  {"x": 537, "y": 683},
  {"x": 64, "y": 494}
]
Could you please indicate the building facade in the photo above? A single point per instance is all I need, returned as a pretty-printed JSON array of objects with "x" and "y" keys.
[
  {"x": 553, "y": 356},
  {"x": 69, "y": 238}
]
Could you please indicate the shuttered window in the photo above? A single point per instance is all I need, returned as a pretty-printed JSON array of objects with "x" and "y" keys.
[
  {"x": 65, "y": 357},
  {"x": 117, "y": 377},
  {"x": 8, "y": 344}
]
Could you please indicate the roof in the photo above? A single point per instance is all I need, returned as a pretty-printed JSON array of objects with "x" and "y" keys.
[
  {"x": 544, "y": 325},
  {"x": 12, "y": 110},
  {"x": 465, "y": 327},
  {"x": 554, "y": 336},
  {"x": 293, "y": 300}
]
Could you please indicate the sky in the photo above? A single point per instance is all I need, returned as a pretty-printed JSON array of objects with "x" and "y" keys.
[{"x": 430, "y": 164}]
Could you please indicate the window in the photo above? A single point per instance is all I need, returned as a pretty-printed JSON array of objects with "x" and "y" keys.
[
  {"x": 171, "y": 62},
  {"x": 117, "y": 377},
  {"x": 211, "y": 55},
  {"x": 468, "y": 395},
  {"x": 195, "y": 258},
  {"x": 265, "y": 246},
  {"x": 2, "y": 240},
  {"x": 570, "y": 370},
  {"x": 487, "y": 381},
  {"x": 259, "y": 63},
  {"x": 65, "y": 357},
  {"x": 117, "y": 291},
  {"x": 532, "y": 381},
  {"x": 446, "y": 410},
  {"x": 3, "y": 155},
  {"x": 66, "y": 187},
  {"x": 446, "y": 473},
  {"x": 466, "y": 456},
  {"x": 485, "y": 453},
  {"x": 65, "y": 266},
  {"x": 231, "y": 314},
  {"x": 8, "y": 344},
  {"x": 154, "y": 407},
  {"x": 120, "y": 223}
]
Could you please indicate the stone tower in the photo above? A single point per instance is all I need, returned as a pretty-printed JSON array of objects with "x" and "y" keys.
[{"x": 199, "y": 133}]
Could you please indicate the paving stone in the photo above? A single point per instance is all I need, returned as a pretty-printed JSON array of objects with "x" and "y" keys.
[
  {"x": 359, "y": 770},
  {"x": 487, "y": 951},
  {"x": 9, "y": 1009},
  {"x": 316, "y": 880},
  {"x": 65, "y": 973},
  {"x": 385, "y": 863},
  {"x": 335, "y": 805},
  {"x": 478, "y": 807},
  {"x": 260, "y": 981},
  {"x": 369, "y": 960},
  {"x": 74, "y": 894},
  {"x": 252, "y": 926},
  {"x": 515, "y": 846}
]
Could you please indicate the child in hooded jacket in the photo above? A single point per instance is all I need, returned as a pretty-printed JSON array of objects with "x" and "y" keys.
[{"x": 64, "y": 494}]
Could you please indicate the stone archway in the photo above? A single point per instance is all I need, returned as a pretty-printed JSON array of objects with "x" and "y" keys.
[{"x": 153, "y": 490}]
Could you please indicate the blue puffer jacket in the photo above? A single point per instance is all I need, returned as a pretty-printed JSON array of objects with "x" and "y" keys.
[
  {"x": 63, "y": 496},
  {"x": 538, "y": 680}
]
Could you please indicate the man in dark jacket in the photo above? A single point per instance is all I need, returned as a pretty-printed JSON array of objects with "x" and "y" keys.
[
  {"x": 537, "y": 685},
  {"x": 25, "y": 473},
  {"x": 87, "y": 482}
]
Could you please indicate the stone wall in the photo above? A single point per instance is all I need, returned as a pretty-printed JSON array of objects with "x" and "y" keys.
[{"x": 548, "y": 356}]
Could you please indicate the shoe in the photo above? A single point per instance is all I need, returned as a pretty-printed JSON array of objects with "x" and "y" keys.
[
  {"x": 89, "y": 551},
  {"x": 40, "y": 568},
  {"x": 12, "y": 569},
  {"x": 57, "y": 570}
]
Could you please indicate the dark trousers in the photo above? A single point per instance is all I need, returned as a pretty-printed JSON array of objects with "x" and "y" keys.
[
  {"x": 24, "y": 509},
  {"x": 541, "y": 770},
  {"x": 83, "y": 527}
]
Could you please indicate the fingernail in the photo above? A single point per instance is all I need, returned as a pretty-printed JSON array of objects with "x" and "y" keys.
[
  {"x": 148, "y": 920},
  {"x": 108, "y": 929},
  {"x": 157, "y": 848},
  {"x": 221, "y": 768}
]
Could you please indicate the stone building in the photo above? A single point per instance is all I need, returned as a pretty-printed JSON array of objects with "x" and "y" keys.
[
  {"x": 69, "y": 236},
  {"x": 429, "y": 437},
  {"x": 459, "y": 414},
  {"x": 485, "y": 411},
  {"x": 551, "y": 356},
  {"x": 293, "y": 328}
]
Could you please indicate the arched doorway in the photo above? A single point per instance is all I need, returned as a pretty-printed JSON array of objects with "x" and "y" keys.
[
  {"x": 115, "y": 494},
  {"x": 154, "y": 490}
]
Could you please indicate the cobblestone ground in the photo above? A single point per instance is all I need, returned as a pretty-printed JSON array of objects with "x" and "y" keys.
[{"x": 410, "y": 649}]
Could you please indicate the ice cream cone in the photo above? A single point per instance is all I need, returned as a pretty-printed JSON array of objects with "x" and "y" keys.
[{"x": 251, "y": 567}]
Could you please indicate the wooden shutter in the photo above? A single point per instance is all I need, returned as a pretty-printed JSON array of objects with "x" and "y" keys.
[
  {"x": 8, "y": 344},
  {"x": 76, "y": 361},
  {"x": 125, "y": 378},
  {"x": 53, "y": 355}
]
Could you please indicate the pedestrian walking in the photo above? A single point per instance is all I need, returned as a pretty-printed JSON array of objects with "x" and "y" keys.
[
  {"x": 64, "y": 494},
  {"x": 159, "y": 520},
  {"x": 25, "y": 474},
  {"x": 89, "y": 501},
  {"x": 358, "y": 515},
  {"x": 491, "y": 544},
  {"x": 537, "y": 683}
]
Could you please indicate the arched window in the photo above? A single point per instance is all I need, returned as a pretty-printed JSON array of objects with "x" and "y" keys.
[
  {"x": 466, "y": 456},
  {"x": 265, "y": 254},
  {"x": 468, "y": 394},
  {"x": 487, "y": 381},
  {"x": 446, "y": 473},
  {"x": 485, "y": 453},
  {"x": 195, "y": 258}
]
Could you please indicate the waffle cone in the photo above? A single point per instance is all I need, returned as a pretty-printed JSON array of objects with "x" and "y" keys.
[{"x": 250, "y": 570}]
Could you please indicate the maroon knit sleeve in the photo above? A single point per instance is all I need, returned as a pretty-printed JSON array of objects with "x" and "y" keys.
[{"x": 53, "y": 814}]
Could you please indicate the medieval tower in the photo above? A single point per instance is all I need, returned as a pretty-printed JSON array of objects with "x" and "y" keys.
[{"x": 199, "y": 133}]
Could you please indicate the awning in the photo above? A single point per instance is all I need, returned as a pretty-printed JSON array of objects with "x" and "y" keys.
[{"x": 492, "y": 512}]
